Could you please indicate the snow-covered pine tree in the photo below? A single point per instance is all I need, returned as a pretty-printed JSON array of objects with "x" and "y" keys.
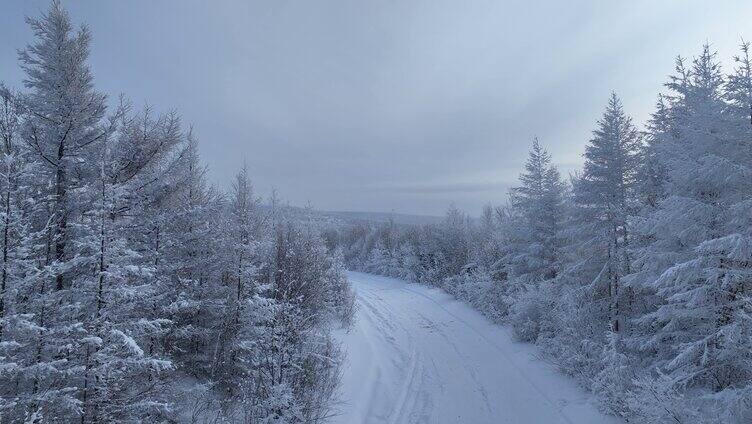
[
  {"x": 652, "y": 172},
  {"x": 588, "y": 298},
  {"x": 299, "y": 363},
  {"x": 19, "y": 330},
  {"x": 651, "y": 191},
  {"x": 605, "y": 197},
  {"x": 454, "y": 242},
  {"x": 738, "y": 88},
  {"x": 62, "y": 126},
  {"x": 122, "y": 376},
  {"x": 378, "y": 259},
  {"x": 488, "y": 244},
  {"x": 537, "y": 205},
  {"x": 699, "y": 332},
  {"x": 14, "y": 225},
  {"x": 235, "y": 341},
  {"x": 192, "y": 260},
  {"x": 531, "y": 259},
  {"x": 156, "y": 187},
  {"x": 64, "y": 116}
]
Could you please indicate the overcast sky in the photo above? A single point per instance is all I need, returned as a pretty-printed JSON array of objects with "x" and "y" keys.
[{"x": 387, "y": 105}]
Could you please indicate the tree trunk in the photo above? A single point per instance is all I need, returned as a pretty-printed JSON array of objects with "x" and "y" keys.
[
  {"x": 61, "y": 212},
  {"x": 4, "y": 272}
]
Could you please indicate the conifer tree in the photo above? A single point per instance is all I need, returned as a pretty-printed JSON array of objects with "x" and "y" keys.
[
  {"x": 64, "y": 119},
  {"x": 537, "y": 204},
  {"x": 699, "y": 329},
  {"x": 605, "y": 196}
]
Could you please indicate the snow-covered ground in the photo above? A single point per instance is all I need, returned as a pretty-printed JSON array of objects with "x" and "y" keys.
[{"x": 415, "y": 355}]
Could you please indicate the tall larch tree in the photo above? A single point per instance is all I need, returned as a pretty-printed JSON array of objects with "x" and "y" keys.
[{"x": 65, "y": 117}]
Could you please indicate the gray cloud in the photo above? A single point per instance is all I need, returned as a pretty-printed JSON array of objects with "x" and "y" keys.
[{"x": 387, "y": 105}]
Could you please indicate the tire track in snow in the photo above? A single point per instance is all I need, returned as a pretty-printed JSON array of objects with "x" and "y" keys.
[
  {"x": 407, "y": 404},
  {"x": 554, "y": 405},
  {"x": 472, "y": 372}
]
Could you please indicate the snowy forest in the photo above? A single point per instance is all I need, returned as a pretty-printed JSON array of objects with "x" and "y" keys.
[
  {"x": 132, "y": 290},
  {"x": 633, "y": 275}
]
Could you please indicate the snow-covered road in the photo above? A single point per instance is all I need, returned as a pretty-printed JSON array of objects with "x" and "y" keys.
[{"x": 415, "y": 355}]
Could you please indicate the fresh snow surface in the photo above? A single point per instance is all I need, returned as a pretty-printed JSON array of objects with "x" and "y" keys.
[{"x": 416, "y": 355}]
